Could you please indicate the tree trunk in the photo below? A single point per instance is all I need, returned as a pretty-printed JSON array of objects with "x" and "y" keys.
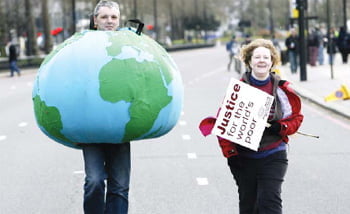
[
  {"x": 4, "y": 24},
  {"x": 155, "y": 20},
  {"x": 31, "y": 30},
  {"x": 74, "y": 21},
  {"x": 46, "y": 26}
]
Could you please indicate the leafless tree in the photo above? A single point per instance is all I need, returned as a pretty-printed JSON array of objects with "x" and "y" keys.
[
  {"x": 31, "y": 30},
  {"x": 46, "y": 26},
  {"x": 169, "y": 18}
]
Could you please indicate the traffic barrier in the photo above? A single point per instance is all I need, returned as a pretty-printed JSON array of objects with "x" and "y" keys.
[{"x": 343, "y": 93}]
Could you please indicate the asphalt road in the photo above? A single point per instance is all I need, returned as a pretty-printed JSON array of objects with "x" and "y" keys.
[{"x": 179, "y": 173}]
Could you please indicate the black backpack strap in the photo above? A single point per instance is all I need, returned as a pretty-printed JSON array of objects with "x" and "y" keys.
[{"x": 139, "y": 27}]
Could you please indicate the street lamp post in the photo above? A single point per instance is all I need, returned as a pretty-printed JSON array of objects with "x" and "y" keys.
[
  {"x": 330, "y": 39},
  {"x": 345, "y": 16},
  {"x": 302, "y": 49}
]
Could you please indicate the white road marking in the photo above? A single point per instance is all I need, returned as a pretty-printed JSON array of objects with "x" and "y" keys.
[
  {"x": 202, "y": 181},
  {"x": 192, "y": 155},
  {"x": 79, "y": 172},
  {"x": 13, "y": 87},
  {"x": 22, "y": 124},
  {"x": 186, "y": 137},
  {"x": 2, "y": 137},
  {"x": 30, "y": 84},
  {"x": 182, "y": 123}
]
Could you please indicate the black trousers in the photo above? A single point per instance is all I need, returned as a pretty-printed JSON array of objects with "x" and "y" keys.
[
  {"x": 344, "y": 56},
  {"x": 259, "y": 182}
]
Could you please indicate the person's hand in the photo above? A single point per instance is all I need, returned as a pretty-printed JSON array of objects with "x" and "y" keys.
[{"x": 275, "y": 128}]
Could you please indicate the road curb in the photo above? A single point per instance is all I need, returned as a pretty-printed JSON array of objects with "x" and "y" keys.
[{"x": 332, "y": 106}]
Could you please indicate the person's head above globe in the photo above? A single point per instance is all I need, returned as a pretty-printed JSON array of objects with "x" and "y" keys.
[{"x": 106, "y": 15}]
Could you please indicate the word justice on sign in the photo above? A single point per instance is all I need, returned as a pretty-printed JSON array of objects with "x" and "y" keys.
[{"x": 243, "y": 114}]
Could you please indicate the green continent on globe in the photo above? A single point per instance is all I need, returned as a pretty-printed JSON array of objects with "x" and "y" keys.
[
  {"x": 143, "y": 43},
  {"x": 139, "y": 83},
  {"x": 49, "y": 118}
]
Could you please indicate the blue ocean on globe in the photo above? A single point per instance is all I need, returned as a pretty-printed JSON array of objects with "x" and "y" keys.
[{"x": 107, "y": 87}]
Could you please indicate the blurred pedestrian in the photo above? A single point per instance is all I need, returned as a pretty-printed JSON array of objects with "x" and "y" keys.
[
  {"x": 331, "y": 46},
  {"x": 22, "y": 45},
  {"x": 13, "y": 53},
  {"x": 247, "y": 40},
  {"x": 231, "y": 48},
  {"x": 105, "y": 160},
  {"x": 313, "y": 43},
  {"x": 259, "y": 174},
  {"x": 292, "y": 44},
  {"x": 321, "y": 37},
  {"x": 343, "y": 44},
  {"x": 276, "y": 43}
]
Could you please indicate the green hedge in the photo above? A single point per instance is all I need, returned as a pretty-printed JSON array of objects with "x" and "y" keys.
[{"x": 22, "y": 63}]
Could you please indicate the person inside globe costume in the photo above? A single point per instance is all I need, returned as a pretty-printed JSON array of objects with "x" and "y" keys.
[
  {"x": 259, "y": 174},
  {"x": 105, "y": 160}
]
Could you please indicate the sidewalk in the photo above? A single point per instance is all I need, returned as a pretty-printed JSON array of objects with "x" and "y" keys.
[
  {"x": 319, "y": 84},
  {"x": 24, "y": 71}
]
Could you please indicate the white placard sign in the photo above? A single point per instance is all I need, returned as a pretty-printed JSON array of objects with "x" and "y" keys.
[{"x": 243, "y": 115}]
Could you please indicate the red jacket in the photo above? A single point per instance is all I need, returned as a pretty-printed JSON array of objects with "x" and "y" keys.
[{"x": 290, "y": 124}]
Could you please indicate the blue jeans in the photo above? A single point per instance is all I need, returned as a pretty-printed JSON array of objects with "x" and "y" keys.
[
  {"x": 293, "y": 60},
  {"x": 14, "y": 67},
  {"x": 259, "y": 182},
  {"x": 320, "y": 57},
  {"x": 110, "y": 162}
]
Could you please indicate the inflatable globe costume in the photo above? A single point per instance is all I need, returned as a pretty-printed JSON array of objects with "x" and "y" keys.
[{"x": 107, "y": 87}]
